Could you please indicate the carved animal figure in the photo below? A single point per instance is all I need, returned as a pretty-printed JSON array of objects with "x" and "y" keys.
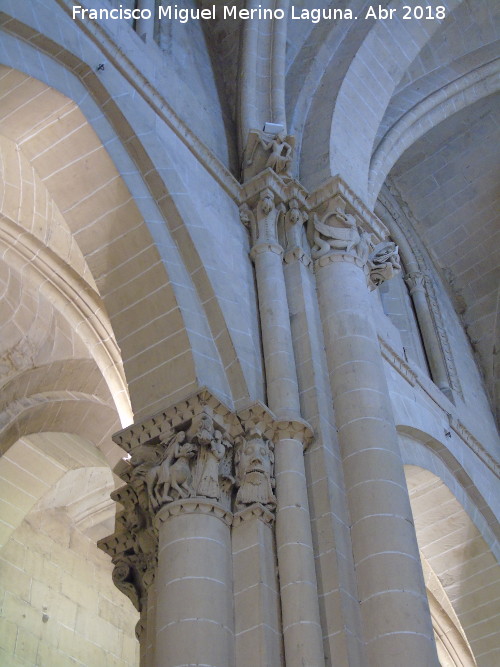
[
  {"x": 174, "y": 473},
  {"x": 328, "y": 237}
]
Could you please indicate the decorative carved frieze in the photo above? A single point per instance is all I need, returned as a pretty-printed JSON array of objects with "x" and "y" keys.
[
  {"x": 193, "y": 506},
  {"x": 253, "y": 512}
]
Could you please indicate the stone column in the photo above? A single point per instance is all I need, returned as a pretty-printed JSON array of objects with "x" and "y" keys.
[
  {"x": 194, "y": 624},
  {"x": 258, "y": 641},
  {"x": 299, "y": 597},
  {"x": 172, "y": 543},
  {"x": 145, "y": 27},
  {"x": 416, "y": 281},
  {"x": 396, "y": 621}
]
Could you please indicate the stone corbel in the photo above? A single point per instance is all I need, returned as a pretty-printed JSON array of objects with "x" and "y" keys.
[{"x": 268, "y": 151}]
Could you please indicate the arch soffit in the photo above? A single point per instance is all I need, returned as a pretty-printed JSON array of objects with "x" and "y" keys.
[
  {"x": 440, "y": 105},
  {"x": 359, "y": 107},
  {"x": 225, "y": 372},
  {"x": 456, "y": 551},
  {"x": 420, "y": 449},
  {"x": 107, "y": 227}
]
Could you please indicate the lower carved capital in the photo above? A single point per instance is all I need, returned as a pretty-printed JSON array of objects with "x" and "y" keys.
[
  {"x": 192, "y": 506},
  {"x": 261, "y": 248},
  {"x": 255, "y": 511}
]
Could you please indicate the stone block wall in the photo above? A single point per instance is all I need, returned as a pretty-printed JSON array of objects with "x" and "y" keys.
[{"x": 59, "y": 606}]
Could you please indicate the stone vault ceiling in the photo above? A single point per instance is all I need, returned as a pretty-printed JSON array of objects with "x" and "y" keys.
[{"x": 450, "y": 180}]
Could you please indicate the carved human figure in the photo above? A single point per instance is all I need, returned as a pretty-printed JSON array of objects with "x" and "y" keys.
[
  {"x": 294, "y": 222},
  {"x": 254, "y": 462},
  {"x": 281, "y": 154},
  {"x": 173, "y": 473},
  {"x": 209, "y": 482}
]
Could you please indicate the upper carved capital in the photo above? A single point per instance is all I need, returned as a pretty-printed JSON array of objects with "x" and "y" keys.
[
  {"x": 335, "y": 231},
  {"x": 268, "y": 150},
  {"x": 293, "y": 231},
  {"x": 337, "y": 191},
  {"x": 341, "y": 229},
  {"x": 416, "y": 281}
]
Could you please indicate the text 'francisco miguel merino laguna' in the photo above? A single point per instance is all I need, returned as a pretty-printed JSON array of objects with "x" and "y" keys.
[{"x": 183, "y": 14}]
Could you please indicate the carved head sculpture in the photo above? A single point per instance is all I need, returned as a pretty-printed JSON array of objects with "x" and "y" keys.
[
  {"x": 295, "y": 215},
  {"x": 254, "y": 462},
  {"x": 266, "y": 203}
]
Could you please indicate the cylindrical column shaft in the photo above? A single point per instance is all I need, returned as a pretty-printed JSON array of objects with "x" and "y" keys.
[
  {"x": 256, "y": 598},
  {"x": 281, "y": 376},
  {"x": 150, "y": 631},
  {"x": 416, "y": 283},
  {"x": 194, "y": 619},
  {"x": 298, "y": 588},
  {"x": 396, "y": 620}
]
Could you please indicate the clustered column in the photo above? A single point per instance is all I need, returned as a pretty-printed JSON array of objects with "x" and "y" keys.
[
  {"x": 299, "y": 596},
  {"x": 178, "y": 547},
  {"x": 395, "y": 615}
]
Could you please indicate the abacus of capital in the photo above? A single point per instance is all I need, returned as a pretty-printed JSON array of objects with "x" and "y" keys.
[{"x": 214, "y": 544}]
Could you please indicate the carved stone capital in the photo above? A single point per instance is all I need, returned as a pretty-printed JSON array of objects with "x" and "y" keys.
[
  {"x": 253, "y": 512},
  {"x": 295, "y": 429},
  {"x": 262, "y": 218},
  {"x": 416, "y": 281},
  {"x": 337, "y": 191},
  {"x": 192, "y": 506},
  {"x": 335, "y": 231}
]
